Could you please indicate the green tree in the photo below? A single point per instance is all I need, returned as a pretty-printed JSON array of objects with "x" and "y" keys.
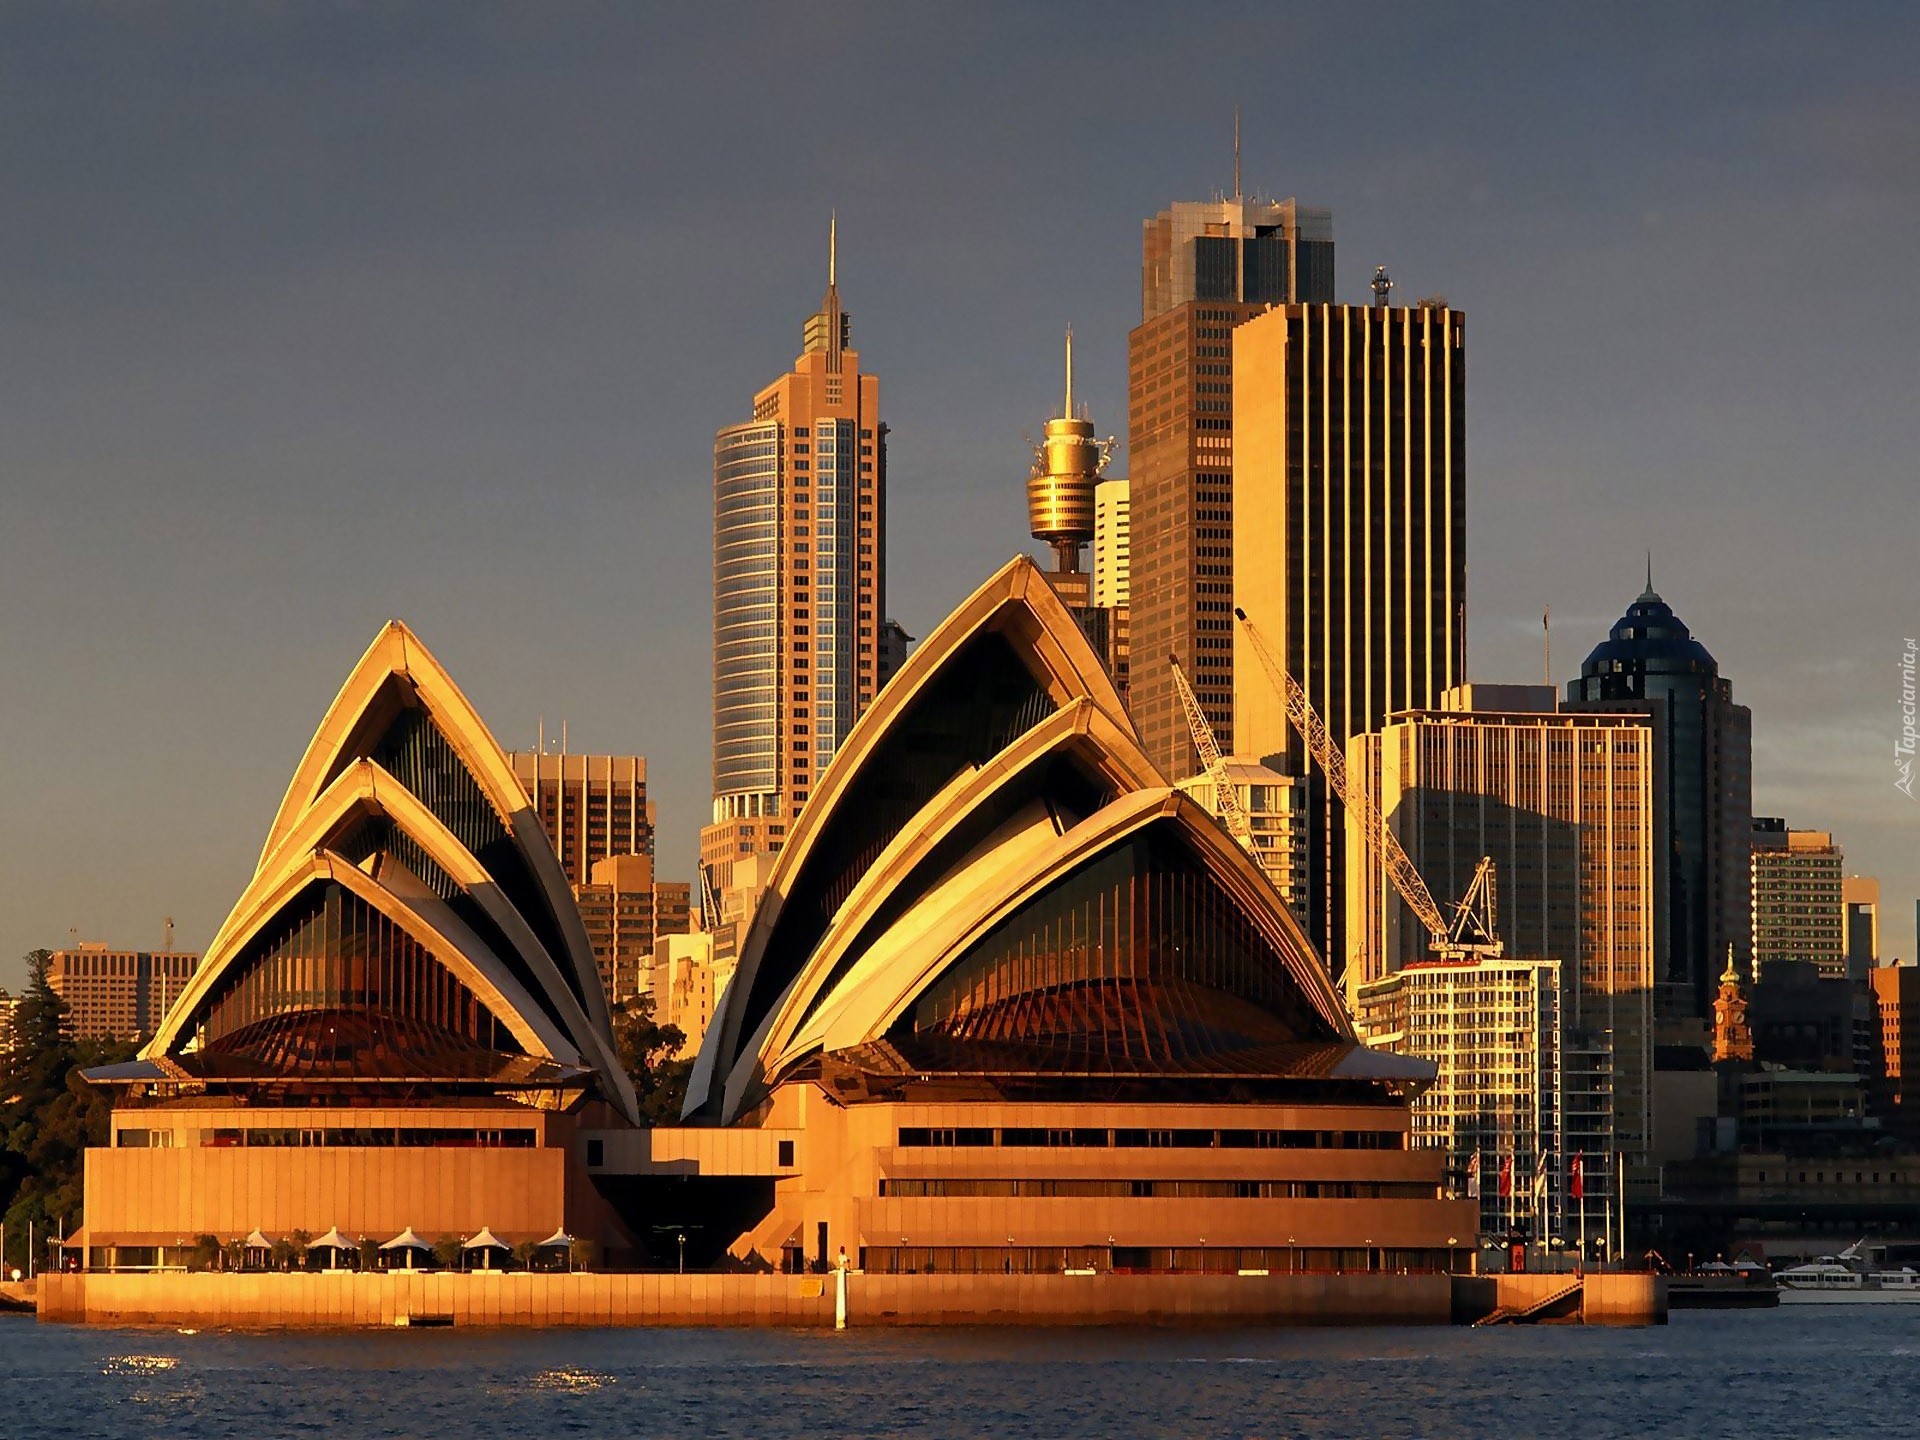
[
  {"x": 647, "y": 1050},
  {"x": 48, "y": 1115}
]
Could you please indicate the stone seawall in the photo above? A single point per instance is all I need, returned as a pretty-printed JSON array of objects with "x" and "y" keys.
[{"x": 356, "y": 1300}]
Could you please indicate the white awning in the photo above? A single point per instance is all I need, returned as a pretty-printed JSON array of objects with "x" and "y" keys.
[
  {"x": 407, "y": 1240},
  {"x": 486, "y": 1240}
]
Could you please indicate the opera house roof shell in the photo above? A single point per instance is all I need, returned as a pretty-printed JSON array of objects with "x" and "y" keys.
[
  {"x": 408, "y": 924},
  {"x": 993, "y": 884}
]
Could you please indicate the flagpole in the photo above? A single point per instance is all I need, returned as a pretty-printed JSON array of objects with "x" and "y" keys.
[
  {"x": 1542, "y": 1200},
  {"x": 1580, "y": 1160},
  {"x": 1606, "y": 1214}
]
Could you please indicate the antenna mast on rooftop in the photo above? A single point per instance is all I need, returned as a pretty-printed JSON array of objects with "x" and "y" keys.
[{"x": 1236, "y": 152}]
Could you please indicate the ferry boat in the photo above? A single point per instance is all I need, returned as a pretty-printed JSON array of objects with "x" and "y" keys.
[
  {"x": 1719, "y": 1286},
  {"x": 1845, "y": 1278}
]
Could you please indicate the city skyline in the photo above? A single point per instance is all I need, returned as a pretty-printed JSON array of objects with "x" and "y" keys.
[{"x": 462, "y": 272}]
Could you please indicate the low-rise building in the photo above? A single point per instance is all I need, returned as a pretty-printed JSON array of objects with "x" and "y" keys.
[
  {"x": 1782, "y": 1205},
  {"x": 1516, "y": 1097},
  {"x": 685, "y": 983},
  {"x": 1802, "y": 1019},
  {"x": 626, "y": 911},
  {"x": 1896, "y": 993},
  {"x": 118, "y": 994},
  {"x": 1276, "y": 809},
  {"x": 1861, "y": 895}
]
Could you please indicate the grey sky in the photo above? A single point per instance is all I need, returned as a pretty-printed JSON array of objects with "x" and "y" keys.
[{"x": 314, "y": 315}]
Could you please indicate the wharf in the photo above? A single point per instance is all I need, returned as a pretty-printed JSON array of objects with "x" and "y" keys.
[{"x": 353, "y": 1300}]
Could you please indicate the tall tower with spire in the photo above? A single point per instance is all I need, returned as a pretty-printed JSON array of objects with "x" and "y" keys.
[
  {"x": 1066, "y": 470},
  {"x": 799, "y": 584}
]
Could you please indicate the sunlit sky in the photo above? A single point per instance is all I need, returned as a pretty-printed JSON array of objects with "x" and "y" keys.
[{"x": 315, "y": 315}]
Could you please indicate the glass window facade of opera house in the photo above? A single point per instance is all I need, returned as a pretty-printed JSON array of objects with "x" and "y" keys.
[{"x": 1012, "y": 1003}]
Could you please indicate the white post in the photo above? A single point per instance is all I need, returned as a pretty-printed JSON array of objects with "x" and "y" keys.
[{"x": 840, "y": 1296}]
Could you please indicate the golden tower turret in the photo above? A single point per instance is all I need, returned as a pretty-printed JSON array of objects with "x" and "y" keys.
[
  {"x": 1732, "y": 1035},
  {"x": 1066, "y": 467}
]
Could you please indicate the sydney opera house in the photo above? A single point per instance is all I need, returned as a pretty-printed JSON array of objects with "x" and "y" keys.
[{"x": 1011, "y": 1003}]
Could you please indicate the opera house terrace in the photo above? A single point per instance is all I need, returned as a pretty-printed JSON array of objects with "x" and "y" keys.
[{"x": 1014, "y": 1014}]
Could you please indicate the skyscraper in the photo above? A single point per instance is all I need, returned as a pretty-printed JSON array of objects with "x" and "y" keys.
[
  {"x": 118, "y": 993},
  {"x": 1348, "y": 542},
  {"x": 595, "y": 810},
  {"x": 1861, "y": 893},
  {"x": 592, "y": 807},
  {"x": 1798, "y": 909},
  {"x": 1205, "y": 267},
  {"x": 1111, "y": 547},
  {"x": 1651, "y": 663},
  {"x": 1563, "y": 802},
  {"x": 799, "y": 584}
]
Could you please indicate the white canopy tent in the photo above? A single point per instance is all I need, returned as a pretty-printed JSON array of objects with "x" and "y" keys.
[
  {"x": 405, "y": 1247},
  {"x": 481, "y": 1249},
  {"x": 336, "y": 1242}
]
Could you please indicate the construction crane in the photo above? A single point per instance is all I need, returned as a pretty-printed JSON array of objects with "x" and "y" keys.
[
  {"x": 709, "y": 901},
  {"x": 1213, "y": 764},
  {"x": 1471, "y": 931}
]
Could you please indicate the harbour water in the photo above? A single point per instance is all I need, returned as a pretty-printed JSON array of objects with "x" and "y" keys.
[{"x": 1793, "y": 1372}]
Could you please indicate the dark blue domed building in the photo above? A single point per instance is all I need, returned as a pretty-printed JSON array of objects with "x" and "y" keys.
[{"x": 1651, "y": 662}]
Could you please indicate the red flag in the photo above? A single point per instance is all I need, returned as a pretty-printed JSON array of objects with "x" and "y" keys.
[
  {"x": 1577, "y": 1175},
  {"x": 1506, "y": 1177}
]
